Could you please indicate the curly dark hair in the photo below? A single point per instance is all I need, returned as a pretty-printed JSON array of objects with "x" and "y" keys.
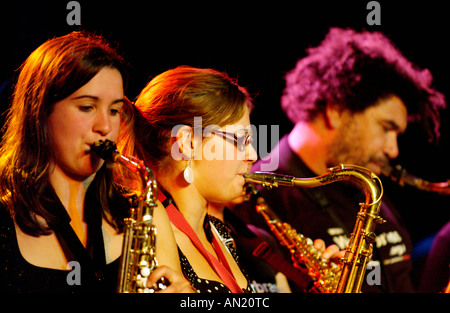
[{"x": 354, "y": 70}]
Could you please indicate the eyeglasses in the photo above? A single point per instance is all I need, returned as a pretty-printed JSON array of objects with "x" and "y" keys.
[{"x": 240, "y": 142}]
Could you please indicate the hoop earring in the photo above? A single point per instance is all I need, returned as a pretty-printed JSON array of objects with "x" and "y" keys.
[{"x": 188, "y": 173}]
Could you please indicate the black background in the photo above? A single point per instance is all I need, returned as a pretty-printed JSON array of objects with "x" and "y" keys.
[{"x": 256, "y": 42}]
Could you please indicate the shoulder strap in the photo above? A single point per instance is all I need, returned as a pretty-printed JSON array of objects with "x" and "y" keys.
[
  {"x": 324, "y": 204},
  {"x": 180, "y": 222},
  {"x": 262, "y": 249},
  {"x": 70, "y": 243}
]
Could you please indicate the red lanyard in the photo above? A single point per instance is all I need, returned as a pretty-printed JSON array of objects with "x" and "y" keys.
[{"x": 221, "y": 268}]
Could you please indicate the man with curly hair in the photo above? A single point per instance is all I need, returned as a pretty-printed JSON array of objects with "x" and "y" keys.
[{"x": 350, "y": 98}]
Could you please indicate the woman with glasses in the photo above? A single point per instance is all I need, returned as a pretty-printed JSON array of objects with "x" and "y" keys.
[{"x": 193, "y": 127}]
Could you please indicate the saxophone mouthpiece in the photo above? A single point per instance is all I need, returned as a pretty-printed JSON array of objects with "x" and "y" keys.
[
  {"x": 268, "y": 179},
  {"x": 105, "y": 149}
]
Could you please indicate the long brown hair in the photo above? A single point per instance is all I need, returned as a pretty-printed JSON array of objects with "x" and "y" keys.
[{"x": 51, "y": 73}]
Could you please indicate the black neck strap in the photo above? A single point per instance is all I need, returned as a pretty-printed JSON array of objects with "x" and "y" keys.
[{"x": 91, "y": 258}]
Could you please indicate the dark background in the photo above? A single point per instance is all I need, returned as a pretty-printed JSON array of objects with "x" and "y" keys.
[{"x": 256, "y": 42}]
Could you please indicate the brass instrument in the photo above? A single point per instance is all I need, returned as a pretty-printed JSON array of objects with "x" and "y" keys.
[
  {"x": 138, "y": 258},
  {"x": 359, "y": 247},
  {"x": 402, "y": 177},
  {"x": 324, "y": 273}
]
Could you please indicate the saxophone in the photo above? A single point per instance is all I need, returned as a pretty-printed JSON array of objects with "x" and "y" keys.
[
  {"x": 359, "y": 248},
  {"x": 138, "y": 258},
  {"x": 325, "y": 273},
  {"x": 401, "y": 176}
]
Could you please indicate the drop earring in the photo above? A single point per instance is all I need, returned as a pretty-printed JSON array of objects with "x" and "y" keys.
[{"x": 188, "y": 173}]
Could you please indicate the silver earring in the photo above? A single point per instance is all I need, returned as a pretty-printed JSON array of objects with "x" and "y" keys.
[{"x": 188, "y": 173}]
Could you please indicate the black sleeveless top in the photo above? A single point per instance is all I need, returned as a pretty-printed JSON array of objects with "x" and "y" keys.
[{"x": 89, "y": 271}]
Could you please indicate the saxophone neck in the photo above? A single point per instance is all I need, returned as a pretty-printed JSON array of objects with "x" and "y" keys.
[
  {"x": 107, "y": 150},
  {"x": 269, "y": 180},
  {"x": 400, "y": 176},
  {"x": 251, "y": 193},
  {"x": 366, "y": 179},
  {"x": 150, "y": 187}
]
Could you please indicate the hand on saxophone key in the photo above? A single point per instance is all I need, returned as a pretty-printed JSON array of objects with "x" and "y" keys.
[
  {"x": 166, "y": 280},
  {"x": 331, "y": 252}
]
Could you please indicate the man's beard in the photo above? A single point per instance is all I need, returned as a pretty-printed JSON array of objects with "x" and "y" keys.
[{"x": 348, "y": 149}]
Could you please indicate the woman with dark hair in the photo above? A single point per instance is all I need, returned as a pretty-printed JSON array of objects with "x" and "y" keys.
[{"x": 58, "y": 200}]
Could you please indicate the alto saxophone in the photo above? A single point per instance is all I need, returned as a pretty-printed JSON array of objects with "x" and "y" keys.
[
  {"x": 325, "y": 273},
  {"x": 138, "y": 258},
  {"x": 359, "y": 248},
  {"x": 401, "y": 176}
]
